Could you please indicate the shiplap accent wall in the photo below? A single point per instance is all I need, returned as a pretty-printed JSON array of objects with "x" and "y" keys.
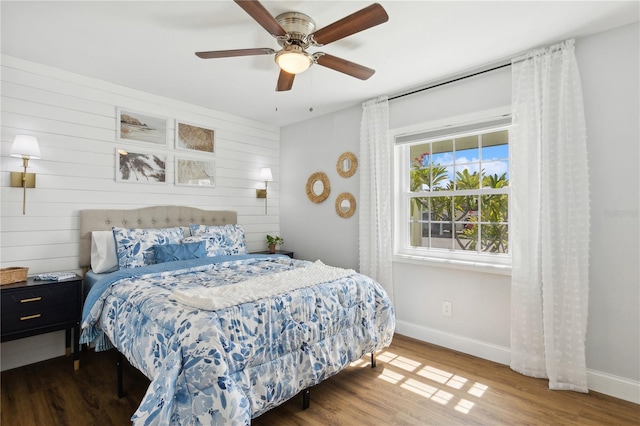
[{"x": 74, "y": 119}]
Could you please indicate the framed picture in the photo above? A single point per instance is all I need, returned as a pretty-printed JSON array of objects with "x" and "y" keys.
[
  {"x": 190, "y": 136},
  {"x": 195, "y": 172},
  {"x": 140, "y": 127},
  {"x": 140, "y": 167}
]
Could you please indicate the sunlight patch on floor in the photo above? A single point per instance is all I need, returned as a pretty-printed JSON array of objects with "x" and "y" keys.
[
  {"x": 435, "y": 374},
  {"x": 464, "y": 406},
  {"x": 405, "y": 363},
  {"x": 478, "y": 389},
  {"x": 360, "y": 363},
  {"x": 419, "y": 388},
  {"x": 457, "y": 382},
  {"x": 386, "y": 356},
  {"x": 442, "y": 397},
  {"x": 391, "y": 376},
  {"x": 429, "y": 382}
]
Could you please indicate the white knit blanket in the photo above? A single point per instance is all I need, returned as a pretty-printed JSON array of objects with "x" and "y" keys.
[{"x": 260, "y": 287}]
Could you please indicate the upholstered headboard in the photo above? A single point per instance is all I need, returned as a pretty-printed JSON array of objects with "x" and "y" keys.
[{"x": 146, "y": 217}]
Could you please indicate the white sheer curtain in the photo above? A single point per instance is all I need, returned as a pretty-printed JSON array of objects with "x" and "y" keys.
[
  {"x": 375, "y": 193},
  {"x": 550, "y": 219}
]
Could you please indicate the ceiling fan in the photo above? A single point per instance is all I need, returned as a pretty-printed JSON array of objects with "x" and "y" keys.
[{"x": 294, "y": 32}]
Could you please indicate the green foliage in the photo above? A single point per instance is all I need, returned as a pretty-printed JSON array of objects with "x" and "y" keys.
[
  {"x": 423, "y": 179},
  {"x": 463, "y": 208},
  {"x": 274, "y": 240}
]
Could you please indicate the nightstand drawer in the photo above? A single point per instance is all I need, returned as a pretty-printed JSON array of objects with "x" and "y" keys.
[
  {"x": 38, "y": 316},
  {"x": 33, "y": 307},
  {"x": 29, "y": 299}
]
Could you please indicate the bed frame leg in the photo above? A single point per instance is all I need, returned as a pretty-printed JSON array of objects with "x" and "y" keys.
[
  {"x": 373, "y": 360},
  {"x": 119, "y": 364},
  {"x": 305, "y": 398}
]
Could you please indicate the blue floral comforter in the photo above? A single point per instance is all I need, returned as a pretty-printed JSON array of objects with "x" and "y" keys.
[{"x": 228, "y": 366}]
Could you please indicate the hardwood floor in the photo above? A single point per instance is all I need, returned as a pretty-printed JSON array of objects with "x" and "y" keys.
[{"x": 414, "y": 383}]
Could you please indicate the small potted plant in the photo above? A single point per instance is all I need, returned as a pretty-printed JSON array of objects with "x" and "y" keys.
[{"x": 273, "y": 241}]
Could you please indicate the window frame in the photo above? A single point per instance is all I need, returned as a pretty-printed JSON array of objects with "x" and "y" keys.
[{"x": 449, "y": 128}]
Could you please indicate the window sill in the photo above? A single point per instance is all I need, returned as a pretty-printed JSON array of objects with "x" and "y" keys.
[{"x": 489, "y": 268}]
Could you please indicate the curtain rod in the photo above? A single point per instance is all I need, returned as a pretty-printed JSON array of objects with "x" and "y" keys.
[{"x": 497, "y": 67}]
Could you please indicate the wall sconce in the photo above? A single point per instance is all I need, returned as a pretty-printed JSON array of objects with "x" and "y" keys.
[
  {"x": 266, "y": 176},
  {"x": 26, "y": 147}
]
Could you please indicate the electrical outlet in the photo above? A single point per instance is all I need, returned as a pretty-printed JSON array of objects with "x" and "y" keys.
[{"x": 447, "y": 308}]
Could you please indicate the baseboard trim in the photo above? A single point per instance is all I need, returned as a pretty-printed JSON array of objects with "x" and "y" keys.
[
  {"x": 484, "y": 350},
  {"x": 615, "y": 386},
  {"x": 608, "y": 384}
]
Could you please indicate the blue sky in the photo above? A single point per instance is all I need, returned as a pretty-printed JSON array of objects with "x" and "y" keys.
[{"x": 495, "y": 160}]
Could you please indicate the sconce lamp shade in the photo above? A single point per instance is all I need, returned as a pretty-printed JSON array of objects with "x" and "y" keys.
[
  {"x": 25, "y": 146},
  {"x": 265, "y": 174}
]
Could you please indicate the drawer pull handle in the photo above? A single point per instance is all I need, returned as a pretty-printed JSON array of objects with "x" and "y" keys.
[
  {"x": 33, "y": 299},
  {"x": 28, "y": 317}
]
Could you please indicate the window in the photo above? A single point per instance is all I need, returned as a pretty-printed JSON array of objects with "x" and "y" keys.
[{"x": 452, "y": 191}]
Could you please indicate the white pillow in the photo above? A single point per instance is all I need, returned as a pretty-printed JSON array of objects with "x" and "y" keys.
[{"x": 103, "y": 252}]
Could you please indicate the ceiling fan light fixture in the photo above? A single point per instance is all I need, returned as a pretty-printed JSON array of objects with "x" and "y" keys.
[
  {"x": 295, "y": 32},
  {"x": 293, "y": 59}
]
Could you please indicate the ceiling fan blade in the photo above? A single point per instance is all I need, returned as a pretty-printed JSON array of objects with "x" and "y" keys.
[
  {"x": 344, "y": 66},
  {"x": 257, "y": 11},
  {"x": 365, "y": 18},
  {"x": 285, "y": 81},
  {"x": 237, "y": 52}
]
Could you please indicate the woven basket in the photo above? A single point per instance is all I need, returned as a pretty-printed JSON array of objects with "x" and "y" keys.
[{"x": 13, "y": 275}]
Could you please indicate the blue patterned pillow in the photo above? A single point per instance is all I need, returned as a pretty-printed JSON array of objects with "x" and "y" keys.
[
  {"x": 135, "y": 246},
  {"x": 211, "y": 247},
  {"x": 172, "y": 252},
  {"x": 230, "y": 238}
]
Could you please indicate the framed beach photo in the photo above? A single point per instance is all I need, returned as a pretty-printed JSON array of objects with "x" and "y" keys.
[
  {"x": 192, "y": 137},
  {"x": 140, "y": 167},
  {"x": 190, "y": 172},
  {"x": 141, "y": 127}
]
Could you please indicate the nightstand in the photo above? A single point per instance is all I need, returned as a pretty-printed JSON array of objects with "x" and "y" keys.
[
  {"x": 285, "y": 252},
  {"x": 35, "y": 307}
]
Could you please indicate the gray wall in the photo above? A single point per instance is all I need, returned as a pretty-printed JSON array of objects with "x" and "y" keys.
[
  {"x": 315, "y": 231},
  {"x": 481, "y": 301},
  {"x": 610, "y": 69}
]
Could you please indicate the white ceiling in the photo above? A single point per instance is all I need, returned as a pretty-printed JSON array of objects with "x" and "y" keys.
[{"x": 150, "y": 45}]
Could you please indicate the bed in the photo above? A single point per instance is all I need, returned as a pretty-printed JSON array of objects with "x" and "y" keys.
[{"x": 223, "y": 335}]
